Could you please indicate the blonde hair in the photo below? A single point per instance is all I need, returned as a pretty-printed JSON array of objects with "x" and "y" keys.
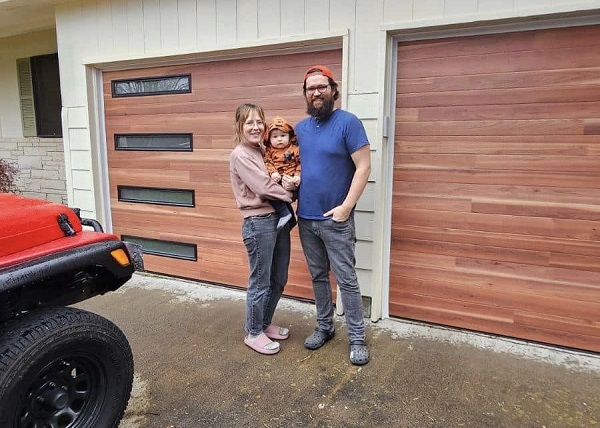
[{"x": 241, "y": 115}]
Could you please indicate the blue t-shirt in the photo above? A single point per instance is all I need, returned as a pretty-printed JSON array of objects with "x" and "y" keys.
[{"x": 327, "y": 167}]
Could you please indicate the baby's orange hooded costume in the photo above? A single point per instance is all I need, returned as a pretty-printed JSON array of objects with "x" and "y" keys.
[{"x": 285, "y": 161}]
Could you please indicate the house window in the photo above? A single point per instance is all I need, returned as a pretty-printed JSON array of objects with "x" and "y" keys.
[
  {"x": 39, "y": 90},
  {"x": 158, "y": 247},
  {"x": 152, "y": 195},
  {"x": 152, "y": 86},
  {"x": 157, "y": 142}
]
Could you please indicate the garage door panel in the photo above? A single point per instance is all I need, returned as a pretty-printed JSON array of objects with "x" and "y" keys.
[
  {"x": 559, "y": 79},
  {"x": 580, "y": 111},
  {"x": 134, "y": 107},
  {"x": 585, "y": 335},
  {"x": 519, "y": 60},
  {"x": 213, "y": 225},
  {"x": 555, "y": 246},
  {"x": 153, "y": 128},
  {"x": 531, "y": 324},
  {"x": 208, "y": 217},
  {"x": 538, "y": 226},
  {"x": 496, "y": 97},
  {"x": 212, "y": 123},
  {"x": 497, "y": 302},
  {"x": 198, "y": 160},
  {"x": 578, "y": 277},
  {"x": 493, "y": 127},
  {"x": 442, "y": 311},
  {"x": 411, "y": 274},
  {"x": 436, "y": 203},
  {"x": 527, "y": 209},
  {"x": 495, "y": 218},
  {"x": 499, "y": 144},
  {"x": 476, "y": 251},
  {"x": 261, "y": 71},
  {"x": 462, "y": 191},
  {"x": 585, "y": 36},
  {"x": 508, "y": 178},
  {"x": 465, "y": 318},
  {"x": 576, "y": 164}
]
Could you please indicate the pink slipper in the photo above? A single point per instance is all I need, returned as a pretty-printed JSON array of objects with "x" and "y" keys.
[
  {"x": 277, "y": 333},
  {"x": 262, "y": 344}
]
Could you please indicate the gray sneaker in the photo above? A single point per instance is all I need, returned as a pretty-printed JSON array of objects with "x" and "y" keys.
[
  {"x": 318, "y": 339},
  {"x": 359, "y": 353}
]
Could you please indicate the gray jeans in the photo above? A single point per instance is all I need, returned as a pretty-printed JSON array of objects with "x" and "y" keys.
[
  {"x": 328, "y": 243},
  {"x": 268, "y": 259}
]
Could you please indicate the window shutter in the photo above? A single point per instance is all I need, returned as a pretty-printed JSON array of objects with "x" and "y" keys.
[{"x": 26, "y": 96}]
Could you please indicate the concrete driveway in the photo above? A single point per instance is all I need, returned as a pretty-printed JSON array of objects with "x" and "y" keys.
[{"x": 193, "y": 370}]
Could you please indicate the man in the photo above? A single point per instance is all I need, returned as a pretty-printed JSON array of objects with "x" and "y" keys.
[{"x": 335, "y": 158}]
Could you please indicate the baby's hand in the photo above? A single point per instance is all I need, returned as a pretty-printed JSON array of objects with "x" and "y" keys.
[
  {"x": 289, "y": 183},
  {"x": 276, "y": 177},
  {"x": 296, "y": 180}
]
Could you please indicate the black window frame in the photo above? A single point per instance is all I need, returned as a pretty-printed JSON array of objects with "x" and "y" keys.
[
  {"x": 154, "y": 134},
  {"x": 113, "y": 84},
  {"x": 133, "y": 239},
  {"x": 120, "y": 188}
]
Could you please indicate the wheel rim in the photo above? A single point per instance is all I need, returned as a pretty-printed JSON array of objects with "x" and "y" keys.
[{"x": 67, "y": 393}]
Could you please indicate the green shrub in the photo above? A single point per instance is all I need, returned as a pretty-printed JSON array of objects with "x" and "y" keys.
[{"x": 8, "y": 176}]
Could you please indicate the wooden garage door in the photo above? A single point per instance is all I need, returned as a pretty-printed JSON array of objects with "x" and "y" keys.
[
  {"x": 202, "y": 241},
  {"x": 496, "y": 193}
]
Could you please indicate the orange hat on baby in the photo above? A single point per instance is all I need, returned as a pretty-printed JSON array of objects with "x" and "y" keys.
[{"x": 281, "y": 124}]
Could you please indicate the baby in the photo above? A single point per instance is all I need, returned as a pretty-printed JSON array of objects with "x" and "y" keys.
[{"x": 282, "y": 157}]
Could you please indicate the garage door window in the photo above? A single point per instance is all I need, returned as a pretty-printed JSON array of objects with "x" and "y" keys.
[
  {"x": 158, "y": 142},
  {"x": 151, "y": 195},
  {"x": 152, "y": 86},
  {"x": 157, "y": 247}
]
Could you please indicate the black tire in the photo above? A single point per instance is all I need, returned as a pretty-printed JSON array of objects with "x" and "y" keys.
[{"x": 63, "y": 367}]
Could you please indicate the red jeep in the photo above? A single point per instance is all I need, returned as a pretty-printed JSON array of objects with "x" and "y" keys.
[{"x": 60, "y": 366}]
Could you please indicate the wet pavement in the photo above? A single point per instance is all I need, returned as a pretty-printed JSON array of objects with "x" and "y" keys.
[{"x": 193, "y": 370}]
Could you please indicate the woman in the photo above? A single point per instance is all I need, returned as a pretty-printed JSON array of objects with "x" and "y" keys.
[{"x": 268, "y": 249}]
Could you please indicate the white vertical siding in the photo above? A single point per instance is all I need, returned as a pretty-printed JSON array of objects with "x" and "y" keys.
[
  {"x": 460, "y": 7},
  {"x": 105, "y": 26},
  {"x": 135, "y": 25},
  {"x": 269, "y": 19},
  {"x": 206, "y": 24},
  {"x": 492, "y": 6},
  {"x": 79, "y": 154},
  {"x": 343, "y": 15},
  {"x": 530, "y": 4},
  {"x": 169, "y": 25},
  {"x": 317, "y": 14},
  {"x": 364, "y": 77},
  {"x": 120, "y": 30},
  {"x": 247, "y": 20},
  {"x": 90, "y": 21},
  {"x": 227, "y": 20},
  {"x": 428, "y": 9},
  {"x": 186, "y": 10},
  {"x": 291, "y": 13},
  {"x": 398, "y": 10},
  {"x": 151, "y": 30}
]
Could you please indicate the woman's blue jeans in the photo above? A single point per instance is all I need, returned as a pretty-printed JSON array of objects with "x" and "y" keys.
[
  {"x": 328, "y": 243},
  {"x": 269, "y": 260}
]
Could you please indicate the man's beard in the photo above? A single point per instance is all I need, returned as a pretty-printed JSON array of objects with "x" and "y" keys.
[{"x": 322, "y": 112}]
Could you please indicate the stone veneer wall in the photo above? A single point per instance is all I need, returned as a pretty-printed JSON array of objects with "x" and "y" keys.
[{"x": 41, "y": 165}]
